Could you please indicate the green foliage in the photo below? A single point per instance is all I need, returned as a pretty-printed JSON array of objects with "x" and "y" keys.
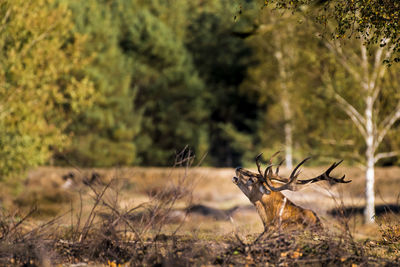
[
  {"x": 105, "y": 83},
  {"x": 390, "y": 95},
  {"x": 41, "y": 83},
  {"x": 347, "y": 83},
  {"x": 222, "y": 60},
  {"x": 287, "y": 71},
  {"x": 376, "y": 20},
  {"x": 169, "y": 89},
  {"x": 104, "y": 134}
]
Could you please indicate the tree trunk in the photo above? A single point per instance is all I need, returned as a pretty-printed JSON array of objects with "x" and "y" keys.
[
  {"x": 372, "y": 128},
  {"x": 369, "y": 212},
  {"x": 287, "y": 111},
  {"x": 287, "y": 114}
]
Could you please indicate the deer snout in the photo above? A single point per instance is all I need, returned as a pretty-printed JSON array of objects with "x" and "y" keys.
[{"x": 235, "y": 180}]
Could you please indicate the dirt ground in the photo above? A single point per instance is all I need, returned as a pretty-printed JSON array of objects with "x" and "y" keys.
[{"x": 212, "y": 188}]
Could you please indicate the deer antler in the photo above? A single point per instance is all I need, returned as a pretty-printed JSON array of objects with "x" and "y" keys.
[
  {"x": 268, "y": 172},
  {"x": 326, "y": 177},
  {"x": 273, "y": 206},
  {"x": 269, "y": 167},
  {"x": 279, "y": 165},
  {"x": 288, "y": 184}
]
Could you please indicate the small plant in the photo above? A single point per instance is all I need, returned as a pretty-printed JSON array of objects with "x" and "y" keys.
[{"x": 389, "y": 228}]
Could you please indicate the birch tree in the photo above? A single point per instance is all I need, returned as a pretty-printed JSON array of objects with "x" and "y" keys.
[
  {"x": 284, "y": 55},
  {"x": 356, "y": 16},
  {"x": 283, "y": 46},
  {"x": 373, "y": 119}
]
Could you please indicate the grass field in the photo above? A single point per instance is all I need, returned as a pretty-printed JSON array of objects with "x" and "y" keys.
[{"x": 190, "y": 216}]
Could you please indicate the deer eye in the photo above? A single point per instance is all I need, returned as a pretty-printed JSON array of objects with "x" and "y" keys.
[
  {"x": 249, "y": 182},
  {"x": 263, "y": 190}
]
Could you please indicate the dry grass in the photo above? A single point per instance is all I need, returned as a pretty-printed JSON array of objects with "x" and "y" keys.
[{"x": 141, "y": 216}]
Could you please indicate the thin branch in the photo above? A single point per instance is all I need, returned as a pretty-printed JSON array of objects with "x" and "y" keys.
[
  {"x": 89, "y": 221},
  {"x": 342, "y": 58},
  {"x": 38, "y": 39},
  {"x": 123, "y": 217},
  {"x": 379, "y": 69},
  {"x": 386, "y": 155},
  {"x": 378, "y": 58},
  {"x": 15, "y": 226},
  {"x": 387, "y": 123},
  {"x": 364, "y": 62},
  {"x": 354, "y": 115},
  {"x": 358, "y": 120},
  {"x": 4, "y": 21}
]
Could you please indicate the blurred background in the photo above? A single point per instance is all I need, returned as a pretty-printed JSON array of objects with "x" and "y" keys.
[{"x": 103, "y": 83}]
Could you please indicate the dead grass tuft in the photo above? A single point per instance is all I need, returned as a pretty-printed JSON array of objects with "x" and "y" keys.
[{"x": 171, "y": 217}]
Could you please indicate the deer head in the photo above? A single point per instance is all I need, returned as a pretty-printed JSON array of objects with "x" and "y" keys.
[{"x": 263, "y": 189}]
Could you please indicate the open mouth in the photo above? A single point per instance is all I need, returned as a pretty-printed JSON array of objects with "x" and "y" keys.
[{"x": 235, "y": 180}]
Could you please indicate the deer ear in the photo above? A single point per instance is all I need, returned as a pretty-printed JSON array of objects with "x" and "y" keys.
[{"x": 264, "y": 190}]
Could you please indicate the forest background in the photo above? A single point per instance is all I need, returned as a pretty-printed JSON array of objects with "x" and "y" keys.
[{"x": 102, "y": 83}]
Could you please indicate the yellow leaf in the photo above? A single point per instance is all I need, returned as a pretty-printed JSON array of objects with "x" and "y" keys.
[{"x": 296, "y": 255}]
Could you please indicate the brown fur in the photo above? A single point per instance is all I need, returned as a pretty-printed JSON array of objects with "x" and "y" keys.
[{"x": 272, "y": 208}]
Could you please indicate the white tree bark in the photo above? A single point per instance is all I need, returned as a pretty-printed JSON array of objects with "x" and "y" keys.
[
  {"x": 286, "y": 107},
  {"x": 287, "y": 114},
  {"x": 373, "y": 132},
  {"x": 369, "y": 212}
]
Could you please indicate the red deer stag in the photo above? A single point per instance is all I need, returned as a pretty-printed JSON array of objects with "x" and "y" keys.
[{"x": 264, "y": 191}]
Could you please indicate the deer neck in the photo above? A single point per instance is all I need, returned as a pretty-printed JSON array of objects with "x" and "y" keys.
[
  {"x": 274, "y": 204},
  {"x": 270, "y": 206}
]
